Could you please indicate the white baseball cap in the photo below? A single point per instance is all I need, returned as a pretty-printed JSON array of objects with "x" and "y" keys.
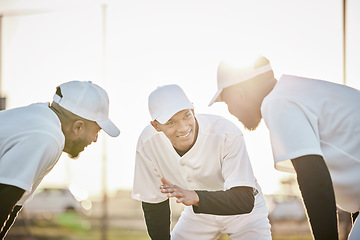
[
  {"x": 89, "y": 101},
  {"x": 229, "y": 74},
  {"x": 165, "y": 101}
]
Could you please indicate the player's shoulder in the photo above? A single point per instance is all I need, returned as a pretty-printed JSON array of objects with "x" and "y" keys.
[
  {"x": 150, "y": 138},
  {"x": 35, "y": 121},
  {"x": 147, "y": 133}
]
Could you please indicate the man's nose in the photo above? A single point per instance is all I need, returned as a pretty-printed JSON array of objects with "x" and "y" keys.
[{"x": 182, "y": 126}]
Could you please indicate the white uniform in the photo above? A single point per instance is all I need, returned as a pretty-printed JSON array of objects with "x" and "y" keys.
[
  {"x": 31, "y": 142},
  {"x": 217, "y": 161},
  {"x": 307, "y": 116}
]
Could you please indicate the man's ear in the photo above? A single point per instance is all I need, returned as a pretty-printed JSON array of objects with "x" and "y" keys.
[
  {"x": 78, "y": 127},
  {"x": 155, "y": 124},
  {"x": 193, "y": 111}
]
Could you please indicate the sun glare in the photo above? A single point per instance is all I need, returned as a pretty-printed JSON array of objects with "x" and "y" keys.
[{"x": 241, "y": 58}]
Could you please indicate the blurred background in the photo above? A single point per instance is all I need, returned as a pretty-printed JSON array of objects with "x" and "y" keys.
[{"x": 132, "y": 47}]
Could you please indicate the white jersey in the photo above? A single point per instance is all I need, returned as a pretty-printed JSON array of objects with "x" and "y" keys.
[
  {"x": 217, "y": 161},
  {"x": 307, "y": 116},
  {"x": 31, "y": 142}
]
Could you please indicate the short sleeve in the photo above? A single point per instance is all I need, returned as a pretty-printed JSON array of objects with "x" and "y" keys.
[
  {"x": 29, "y": 160},
  {"x": 147, "y": 181},
  {"x": 293, "y": 132},
  {"x": 236, "y": 165}
]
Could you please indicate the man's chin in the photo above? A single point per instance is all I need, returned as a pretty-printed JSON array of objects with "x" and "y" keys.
[
  {"x": 74, "y": 156},
  {"x": 251, "y": 127}
]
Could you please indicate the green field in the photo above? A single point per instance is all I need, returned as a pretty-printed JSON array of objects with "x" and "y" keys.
[
  {"x": 70, "y": 226},
  {"x": 58, "y": 232}
]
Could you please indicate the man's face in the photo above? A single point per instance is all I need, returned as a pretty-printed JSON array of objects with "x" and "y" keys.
[
  {"x": 180, "y": 129},
  {"x": 78, "y": 143},
  {"x": 242, "y": 106}
]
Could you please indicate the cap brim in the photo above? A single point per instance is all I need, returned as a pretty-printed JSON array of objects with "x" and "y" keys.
[
  {"x": 109, "y": 127},
  {"x": 175, "y": 109},
  {"x": 216, "y": 98}
]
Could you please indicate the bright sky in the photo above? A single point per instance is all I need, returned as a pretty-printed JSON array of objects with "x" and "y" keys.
[{"x": 152, "y": 43}]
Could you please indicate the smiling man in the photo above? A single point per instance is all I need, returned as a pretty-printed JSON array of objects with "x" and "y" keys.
[
  {"x": 33, "y": 137},
  {"x": 202, "y": 161}
]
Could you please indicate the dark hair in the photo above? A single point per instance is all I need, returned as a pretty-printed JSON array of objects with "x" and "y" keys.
[{"x": 58, "y": 92}]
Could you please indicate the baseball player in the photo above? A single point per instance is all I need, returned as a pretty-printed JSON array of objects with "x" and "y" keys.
[
  {"x": 33, "y": 137},
  {"x": 314, "y": 128},
  {"x": 202, "y": 161}
]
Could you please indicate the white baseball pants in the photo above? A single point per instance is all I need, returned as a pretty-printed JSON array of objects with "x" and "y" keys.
[{"x": 252, "y": 226}]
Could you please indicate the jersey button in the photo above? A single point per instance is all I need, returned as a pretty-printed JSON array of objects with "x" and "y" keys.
[
  {"x": 182, "y": 164},
  {"x": 189, "y": 180}
]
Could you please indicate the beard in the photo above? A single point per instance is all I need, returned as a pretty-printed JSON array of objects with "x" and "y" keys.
[
  {"x": 70, "y": 155},
  {"x": 77, "y": 147},
  {"x": 251, "y": 124}
]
